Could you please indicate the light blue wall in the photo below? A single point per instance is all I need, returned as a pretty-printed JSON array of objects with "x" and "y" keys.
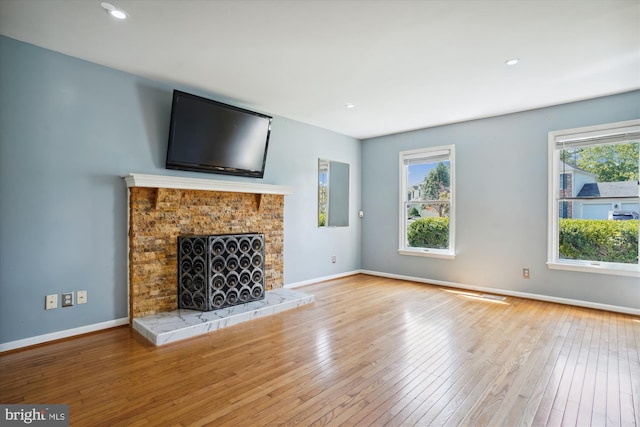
[
  {"x": 69, "y": 130},
  {"x": 308, "y": 249},
  {"x": 501, "y": 181}
]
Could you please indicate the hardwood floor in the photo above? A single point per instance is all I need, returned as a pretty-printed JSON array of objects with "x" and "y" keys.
[{"x": 370, "y": 351}]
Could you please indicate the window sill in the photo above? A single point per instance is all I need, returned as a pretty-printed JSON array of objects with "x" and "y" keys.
[
  {"x": 601, "y": 268},
  {"x": 429, "y": 253}
]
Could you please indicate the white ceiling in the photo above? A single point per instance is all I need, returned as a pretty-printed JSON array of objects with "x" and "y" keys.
[{"x": 405, "y": 64}]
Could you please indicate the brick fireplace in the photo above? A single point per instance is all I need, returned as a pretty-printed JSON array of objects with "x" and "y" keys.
[{"x": 162, "y": 208}]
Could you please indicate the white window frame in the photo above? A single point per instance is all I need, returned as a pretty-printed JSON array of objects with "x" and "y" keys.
[
  {"x": 404, "y": 248},
  {"x": 575, "y": 135}
]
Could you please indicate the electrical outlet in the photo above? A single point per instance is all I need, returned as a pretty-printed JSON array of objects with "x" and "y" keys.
[
  {"x": 67, "y": 299},
  {"x": 525, "y": 273},
  {"x": 82, "y": 297},
  {"x": 333, "y": 259},
  {"x": 51, "y": 302}
]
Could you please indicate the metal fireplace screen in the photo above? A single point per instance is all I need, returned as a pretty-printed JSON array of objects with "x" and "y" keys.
[{"x": 220, "y": 271}]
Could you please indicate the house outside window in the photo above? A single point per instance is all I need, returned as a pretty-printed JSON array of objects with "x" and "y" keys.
[
  {"x": 594, "y": 199},
  {"x": 571, "y": 181},
  {"x": 564, "y": 210},
  {"x": 427, "y": 202},
  {"x": 564, "y": 177}
]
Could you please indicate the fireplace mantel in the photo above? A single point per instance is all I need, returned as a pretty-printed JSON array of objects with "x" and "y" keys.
[{"x": 184, "y": 183}]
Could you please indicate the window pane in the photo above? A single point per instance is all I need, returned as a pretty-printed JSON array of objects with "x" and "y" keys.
[
  {"x": 599, "y": 203},
  {"x": 428, "y": 202}
]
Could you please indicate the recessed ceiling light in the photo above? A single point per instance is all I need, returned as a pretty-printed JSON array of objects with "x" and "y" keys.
[
  {"x": 118, "y": 14},
  {"x": 512, "y": 61},
  {"x": 113, "y": 11},
  {"x": 349, "y": 105}
]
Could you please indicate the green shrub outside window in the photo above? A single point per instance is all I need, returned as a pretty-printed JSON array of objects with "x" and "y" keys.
[
  {"x": 429, "y": 233},
  {"x": 599, "y": 240},
  {"x": 580, "y": 239}
]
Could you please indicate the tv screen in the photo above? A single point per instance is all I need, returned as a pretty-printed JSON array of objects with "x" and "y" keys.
[{"x": 209, "y": 136}]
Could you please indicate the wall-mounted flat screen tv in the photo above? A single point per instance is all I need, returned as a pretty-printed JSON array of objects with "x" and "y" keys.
[{"x": 209, "y": 136}]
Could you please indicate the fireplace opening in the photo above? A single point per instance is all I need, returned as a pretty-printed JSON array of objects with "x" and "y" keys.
[{"x": 217, "y": 271}]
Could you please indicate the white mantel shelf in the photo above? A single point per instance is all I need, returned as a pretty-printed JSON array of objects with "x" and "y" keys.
[{"x": 162, "y": 181}]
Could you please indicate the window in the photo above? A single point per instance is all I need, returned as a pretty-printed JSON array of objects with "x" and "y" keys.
[
  {"x": 594, "y": 199},
  {"x": 427, "y": 202}
]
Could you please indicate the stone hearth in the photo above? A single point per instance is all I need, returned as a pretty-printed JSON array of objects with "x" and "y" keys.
[
  {"x": 161, "y": 208},
  {"x": 168, "y": 327}
]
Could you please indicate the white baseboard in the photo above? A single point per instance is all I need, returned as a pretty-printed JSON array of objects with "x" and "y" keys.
[
  {"x": 566, "y": 301},
  {"x": 26, "y": 342},
  {"x": 322, "y": 279}
]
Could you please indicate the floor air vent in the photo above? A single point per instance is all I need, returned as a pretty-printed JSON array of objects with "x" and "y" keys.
[{"x": 493, "y": 297}]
